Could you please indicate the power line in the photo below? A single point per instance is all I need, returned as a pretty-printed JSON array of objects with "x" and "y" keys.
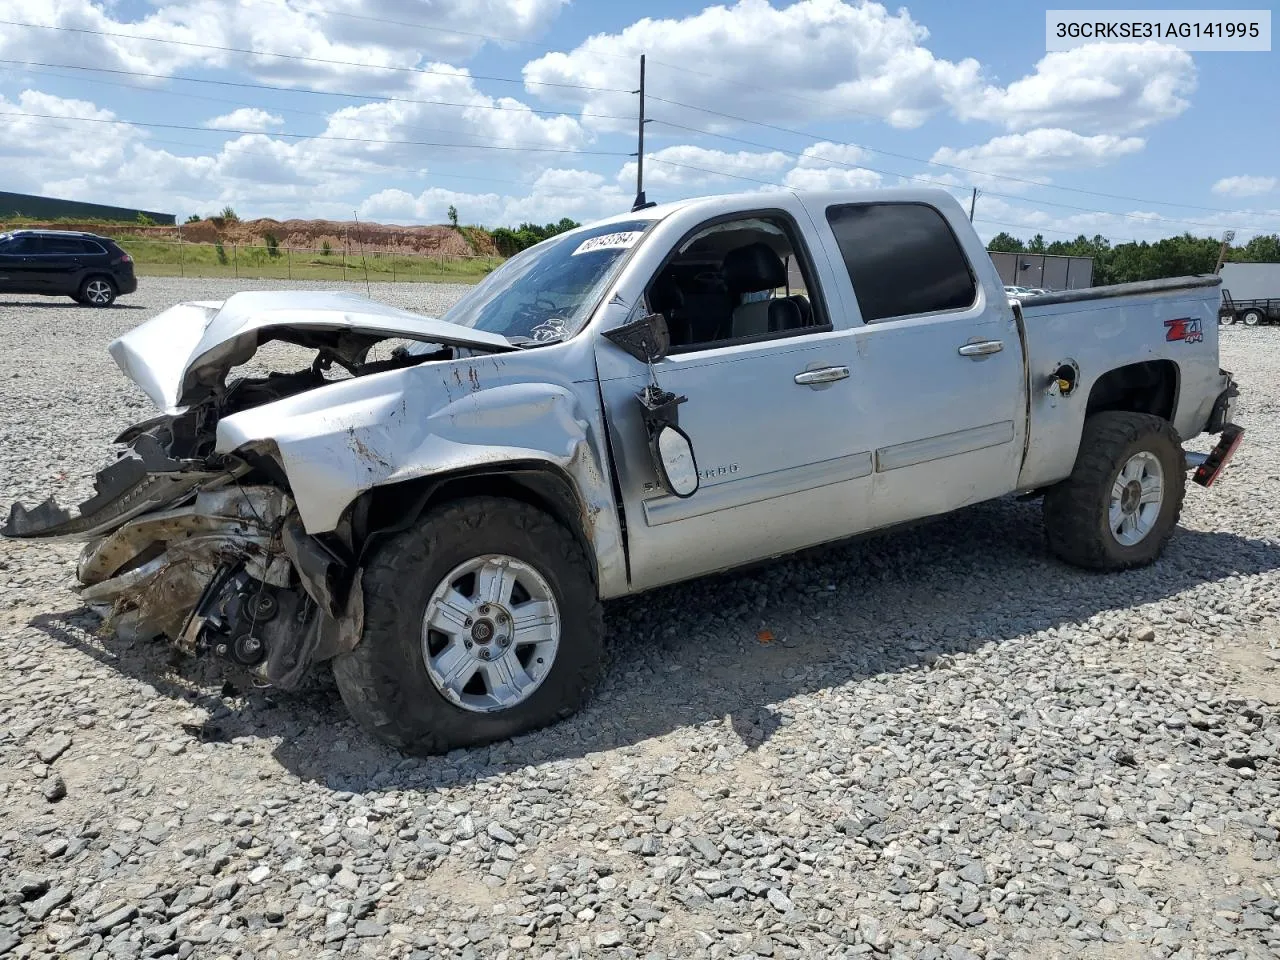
[
  {"x": 344, "y": 162},
  {"x": 242, "y": 103},
  {"x": 304, "y": 90},
  {"x": 929, "y": 180},
  {"x": 303, "y": 59},
  {"x": 936, "y": 163},
  {"x": 307, "y": 136}
]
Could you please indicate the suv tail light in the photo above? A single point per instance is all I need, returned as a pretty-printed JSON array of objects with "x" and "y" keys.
[{"x": 123, "y": 258}]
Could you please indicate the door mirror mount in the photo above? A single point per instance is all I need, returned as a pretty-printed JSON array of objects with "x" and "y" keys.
[{"x": 648, "y": 338}]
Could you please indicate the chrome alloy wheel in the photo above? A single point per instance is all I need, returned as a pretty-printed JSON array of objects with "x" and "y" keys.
[
  {"x": 490, "y": 633},
  {"x": 98, "y": 292},
  {"x": 1136, "y": 498}
]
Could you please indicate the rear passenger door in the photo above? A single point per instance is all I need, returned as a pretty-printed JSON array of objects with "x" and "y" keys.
[
  {"x": 938, "y": 356},
  {"x": 61, "y": 261}
]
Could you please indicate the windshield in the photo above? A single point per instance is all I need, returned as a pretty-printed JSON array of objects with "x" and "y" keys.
[{"x": 546, "y": 292}]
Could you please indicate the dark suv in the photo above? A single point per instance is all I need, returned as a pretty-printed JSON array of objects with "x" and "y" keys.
[{"x": 87, "y": 268}]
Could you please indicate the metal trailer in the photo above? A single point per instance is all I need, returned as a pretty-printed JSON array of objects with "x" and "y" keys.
[{"x": 1250, "y": 293}]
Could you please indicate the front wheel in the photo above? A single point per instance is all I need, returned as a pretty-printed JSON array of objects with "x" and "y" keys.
[
  {"x": 1226, "y": 318},
  {"x": 1119, "y": 506},
  {"x": 483, "y": 621}
]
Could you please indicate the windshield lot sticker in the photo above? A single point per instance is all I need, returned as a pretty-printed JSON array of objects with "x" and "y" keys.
[
  {"x": 609, "y": 241},
  {"x": 1187, "y": 329}
]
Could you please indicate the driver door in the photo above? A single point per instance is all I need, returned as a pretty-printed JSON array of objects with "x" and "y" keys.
[{"x": 773, "y": 421}]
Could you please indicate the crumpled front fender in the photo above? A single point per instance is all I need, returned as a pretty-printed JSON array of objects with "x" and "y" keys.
[{"x": 336, "y": 443}]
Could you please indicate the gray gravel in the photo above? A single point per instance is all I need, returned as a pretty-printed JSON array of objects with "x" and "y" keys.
[{"x": 955, "y": 747}]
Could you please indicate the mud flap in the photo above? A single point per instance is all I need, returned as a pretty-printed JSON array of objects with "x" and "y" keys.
[{"x": 1209, "y": 471}]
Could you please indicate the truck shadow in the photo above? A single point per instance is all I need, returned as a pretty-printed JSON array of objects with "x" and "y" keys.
[{"x": 726, "y": 649}]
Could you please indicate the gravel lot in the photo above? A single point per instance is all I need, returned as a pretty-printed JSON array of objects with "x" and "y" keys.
[{"x": 955, "y": 747}]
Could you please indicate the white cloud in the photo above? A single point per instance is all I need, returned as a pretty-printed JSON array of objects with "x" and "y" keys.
[
  {"x": 246, "y": 118},
  {"x": 468, "y": 117},
  {"x": 349, "y": 34},
  {"x": 42, "y": 150},
  {"x": 579, "y": 194},
  {"x": 681, "y": 167},
  {"x": 812, "y": 59},
  {"x": 1028, "y": 154},
  {"x": 1245, "y": 186},
  {"x": 832, "y": 166},
  {"x": 1115, "y": 88}
]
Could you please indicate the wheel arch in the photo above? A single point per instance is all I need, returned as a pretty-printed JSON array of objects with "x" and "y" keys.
[
  {"x": 1149, "y": 386},
  {"x": 389, "y": 508}
]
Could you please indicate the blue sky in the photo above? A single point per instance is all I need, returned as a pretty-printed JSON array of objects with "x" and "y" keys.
[{"x": 830, "y": 94}]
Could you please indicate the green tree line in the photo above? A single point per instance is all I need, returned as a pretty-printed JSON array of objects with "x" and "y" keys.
[
  {"x": 1126, "y": 262},
  {"x": 511, "y": 240}
]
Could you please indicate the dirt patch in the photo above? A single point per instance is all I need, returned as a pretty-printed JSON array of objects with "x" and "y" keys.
[{"x": 306, "y": 234}]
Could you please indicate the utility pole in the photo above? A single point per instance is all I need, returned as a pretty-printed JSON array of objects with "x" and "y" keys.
[
  {"x": 640, "y": 201},
  {"x": 972, "y": 203},
  {"x": 1222, "y": 251}
]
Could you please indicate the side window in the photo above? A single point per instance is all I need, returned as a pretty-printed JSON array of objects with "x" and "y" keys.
[
  {"x": 63, "y": 245},
  {"x": 903, "y": 259},
  {"x": 737, "y": 280},
  {"x": 91, "y": 246},
  {"x": 25, "y": 246}
]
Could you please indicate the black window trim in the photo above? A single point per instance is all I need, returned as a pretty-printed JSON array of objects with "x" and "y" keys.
[
  {"x": 973, "y": 277},
  {"x": 801, "y": 250}
]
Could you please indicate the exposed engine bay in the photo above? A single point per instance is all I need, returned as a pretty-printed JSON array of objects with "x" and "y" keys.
[{"x": 207, "y": 548}]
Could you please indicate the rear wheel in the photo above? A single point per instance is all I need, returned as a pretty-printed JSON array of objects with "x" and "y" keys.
[
  {"x": 97, "y": 292},
  {"x": 1121, "y": 503},
  {"x": 481, "y": 622},
  {"x": 1252, "y": 318}
]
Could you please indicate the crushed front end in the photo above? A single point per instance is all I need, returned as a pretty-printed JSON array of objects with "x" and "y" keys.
[
  {"x": 204, "y": 550},
  {"x": 208, "y": 547}
]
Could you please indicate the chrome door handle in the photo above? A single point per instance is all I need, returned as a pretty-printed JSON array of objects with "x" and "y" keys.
[
  {"x": 822, "y": 375},
  {"x": 981, "y": 349}
]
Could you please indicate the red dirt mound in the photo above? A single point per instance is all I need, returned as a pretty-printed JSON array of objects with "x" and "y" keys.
[{"x": 307, "y": 234}]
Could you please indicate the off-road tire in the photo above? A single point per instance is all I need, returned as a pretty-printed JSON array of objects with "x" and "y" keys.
[
  {"x": 384, "y": 681},
  {"x": 1076, "y": 510}
]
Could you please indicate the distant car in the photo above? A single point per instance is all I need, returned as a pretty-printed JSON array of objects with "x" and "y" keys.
[
  {"x": 87, "y": 268},
  {"x": 1016, "y": 292},
  {"x": 1037, "y": 291}
]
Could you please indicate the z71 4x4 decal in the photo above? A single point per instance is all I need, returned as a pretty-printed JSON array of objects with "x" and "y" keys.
[{"x": 1187, "y": 329}]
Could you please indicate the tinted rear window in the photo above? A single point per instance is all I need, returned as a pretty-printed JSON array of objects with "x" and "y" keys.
[
  {"x": 63, "y": 245},
  {"x": 903, "y": 259},
  {"x": 92, "y": 246}
]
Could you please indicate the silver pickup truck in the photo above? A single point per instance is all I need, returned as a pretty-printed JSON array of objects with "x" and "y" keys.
[{"x": 675, "y": 391}]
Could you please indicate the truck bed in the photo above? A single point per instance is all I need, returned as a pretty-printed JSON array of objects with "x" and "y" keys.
[{"x": 1153, "y": 328}]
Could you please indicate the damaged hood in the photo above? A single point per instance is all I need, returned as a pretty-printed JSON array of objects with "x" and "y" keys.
[{"x": 184, "y": 353}]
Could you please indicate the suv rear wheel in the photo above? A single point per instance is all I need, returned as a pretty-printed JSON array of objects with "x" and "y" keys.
[{"x": 97, "y": 292}]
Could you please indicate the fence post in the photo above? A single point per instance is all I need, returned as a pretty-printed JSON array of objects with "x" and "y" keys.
[
  {"x": 344, "y": 260},
  {"x": 182, "y": 266},
  {"x": 288, "y": 257},
  {"x": 235, "y": 259}
]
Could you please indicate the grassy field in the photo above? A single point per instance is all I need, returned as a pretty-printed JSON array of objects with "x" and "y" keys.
[{"x": 156, "y": 258}]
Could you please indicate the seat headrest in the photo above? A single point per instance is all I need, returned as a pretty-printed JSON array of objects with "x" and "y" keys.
[
  {"x": 665, "y": 294},
  {"x": 753, "y": 268}
]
